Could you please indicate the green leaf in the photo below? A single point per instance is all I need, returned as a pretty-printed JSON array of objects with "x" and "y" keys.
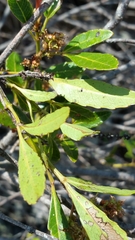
[
  {"x": 70, "y": 149},
  {"x": 84, "y": 117},
  {"x": 57, "y": 222},
  {"x": 55, "y": 6},
  {"x": 87, "y": 39},
  {"x": 22, "y": 9},
  {"x": 75, "y": 131},
  {"x": 6, "y": 120},
  {"x": 95, "y": 222},
  {"x": 65, "y": 70},
  {"x": 90, "y": 187},
  {"x": 35, "y": 95},
  {"x": 13, "y": 65},
  {"x": 49, "y": 123},
  {"x": 97, "y": 61},
  {"x": 130, "y": 145},
  {"x": 93, "y": 93},
  {"x": 31, "y": 173},
  {"x": 53, "y": 151},
  {"x": 1, "y": 106},
  {"x": 22, "y": 115}
]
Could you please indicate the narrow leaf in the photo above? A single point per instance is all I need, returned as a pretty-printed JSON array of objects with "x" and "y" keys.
[
  {"x": 13, "y": 64},
  {"x": 95, "y": 222},
  {"x": 22, "y": 9},
  {"x": 70, "y": 149},
  {"x": 55, "y": 6},
  {"x": 90, "y": 187},
  {"x": 57, "y": 222},
  {"x": 93, "y": 93},
  {"x": 31, "y": 173},
  {"x": 75, "y": 131},
  {"x": 88, "y": 39},
  {"x": 49, "y": 123},
  {"x": 34, "y": 95},
  {"x": 97, "y": 61},
  {"x": 53, "y": 151}
]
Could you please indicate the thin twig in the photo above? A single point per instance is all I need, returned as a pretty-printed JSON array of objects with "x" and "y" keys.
[
  {"x": 110, "y": 174},
  {"x": 7, "y": 199},
  {"x": 8, "y": 139},
  {"x": 10, "y": 159},
  {"x": 26, "y": 227},
  {"x": 112, "y": 74},
  {"x": 24, "y": 30},
  {"x": 117, "y": 40},
  {"x": 126, "y": 25},
  {"x": 76, "y": 10},
  {"x": 122, "y": 6}
]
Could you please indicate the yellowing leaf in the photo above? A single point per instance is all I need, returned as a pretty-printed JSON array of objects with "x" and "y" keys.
[
  {"x": 35, "y": 95},
  {"x": 95, "y": 222},
  {"x": 76, "y": 132},
  {"x": 49, "y": 123},
  {"x": 93, "y": 93},
  {"x": 31, "y": 173}
]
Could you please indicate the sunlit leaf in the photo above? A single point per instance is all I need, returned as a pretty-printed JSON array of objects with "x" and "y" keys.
[
  {"x": 93, "y": 93},
  {"x": 31, "y": 173},
  {"x": 75, "y": 131},
  {"x": 97, "y": 61},
  {"x": 90, "y": 187},
  {"x": 87, "y": 39},
  {"x": 57, "y": 222},
  {"x": 22, "y": 9},
  {"x": 49, "y": 123},
  {"x": 95, "y": 222},
  {"x": 34, "y": 95}
]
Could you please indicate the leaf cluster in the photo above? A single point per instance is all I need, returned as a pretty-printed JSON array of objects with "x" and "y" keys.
[{"x": 54, "y": 113}]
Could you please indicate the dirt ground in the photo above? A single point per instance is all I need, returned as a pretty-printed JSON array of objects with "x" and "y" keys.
[{"x": 98, "y": 156}]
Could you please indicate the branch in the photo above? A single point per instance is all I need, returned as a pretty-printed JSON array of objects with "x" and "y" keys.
[
  {"x": 118, "y": 15},
  {"x": 10, "y": 159},
  {"x": 24, "y": 30},
  {"x": 8, "y": 139},
  {"x": 117, "y": 40},
  {"x": 27, "y": 74},
  {"x": 7, "y": 199},
  {"x": 26, "y": 227}
]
